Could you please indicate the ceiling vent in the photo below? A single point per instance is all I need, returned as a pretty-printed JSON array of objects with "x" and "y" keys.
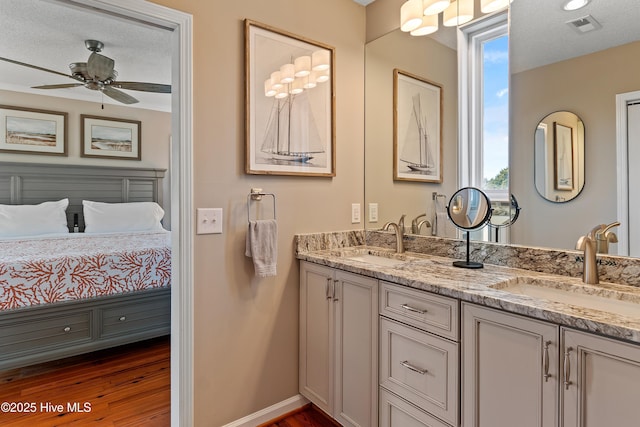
[{"x": 584, "y": 24}]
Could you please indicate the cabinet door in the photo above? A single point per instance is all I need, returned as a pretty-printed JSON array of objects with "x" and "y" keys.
[
  {"x": 397, "y": 412},
  {"x": 316, "y": 337},
  {"x": 356, "y": 335},
  {"x": 505, "y": 362},
  {"x": 604, "y": 380}
]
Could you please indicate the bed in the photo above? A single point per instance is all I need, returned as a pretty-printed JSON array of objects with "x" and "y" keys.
[{"x": 65, "y": 294}]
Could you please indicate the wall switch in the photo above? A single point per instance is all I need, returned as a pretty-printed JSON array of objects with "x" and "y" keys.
[
  {"x": 209, "y": 221},
  {"x": 373, "y": 212},
  {"x": 355, "y": 213}
]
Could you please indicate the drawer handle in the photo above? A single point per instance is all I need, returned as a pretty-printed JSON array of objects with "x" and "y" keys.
[
  {"x": 545, "y": 361},
  {"x": 567, "y": 368},
  {"x": 67, "y": 329},
  {"x": 408, "y": 365},
  {"x": 415, "y": 310},
  {"x": 122, "y": 318},
  {"x": 327, "y": 288}
]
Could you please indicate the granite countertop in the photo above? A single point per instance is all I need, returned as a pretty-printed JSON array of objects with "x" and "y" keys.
[{"x": 482, "y": 286}]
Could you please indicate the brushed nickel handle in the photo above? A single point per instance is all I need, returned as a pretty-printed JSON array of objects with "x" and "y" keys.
[
  {"x": 415, "y": 310},
  {"x": 335, "y": 285},
  {"x": 408, "y": 365},
  {"x": 326, "y": 289},
  {"x": 122, "y": 318},
  {"x": 567, "y": 367},
  {"x": 67, "y": 329},
  {"x": 545, "y": 361}
]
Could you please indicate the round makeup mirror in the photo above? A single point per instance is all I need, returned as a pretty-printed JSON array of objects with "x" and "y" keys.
[
  {"x": 504, "y": 213},
  {"x": 469, "y": 209}
]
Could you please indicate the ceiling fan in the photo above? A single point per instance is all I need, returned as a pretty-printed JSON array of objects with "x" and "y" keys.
[{"x": 98, "y": 73}]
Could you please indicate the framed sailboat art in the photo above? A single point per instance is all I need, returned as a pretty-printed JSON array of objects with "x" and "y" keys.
[
  {"x": 417, "y": 128},
  {"x": 290, "y": 105}
]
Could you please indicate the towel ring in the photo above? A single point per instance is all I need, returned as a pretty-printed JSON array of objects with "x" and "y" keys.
[{"x": 256, "y": 194}]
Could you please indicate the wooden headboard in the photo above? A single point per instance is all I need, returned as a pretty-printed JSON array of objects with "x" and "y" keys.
[{"x": 33, "y": 183}]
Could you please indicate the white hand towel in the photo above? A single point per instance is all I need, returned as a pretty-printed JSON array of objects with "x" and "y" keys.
[
  {"x": 262, "y": 246},
  {"x": 444, "y": 228}
]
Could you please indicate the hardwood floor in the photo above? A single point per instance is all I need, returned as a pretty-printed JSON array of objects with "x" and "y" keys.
[
  {"x": 120, "y": 387},
  {"x": 307, "y": 416}
]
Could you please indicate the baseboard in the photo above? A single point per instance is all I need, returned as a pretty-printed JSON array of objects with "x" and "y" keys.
[{"x": 270, "y": 413}]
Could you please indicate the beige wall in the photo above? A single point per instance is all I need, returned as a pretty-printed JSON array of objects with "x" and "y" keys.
[
  {"x": 587, "y": 86},
  {"x": 246, "y": 330}
]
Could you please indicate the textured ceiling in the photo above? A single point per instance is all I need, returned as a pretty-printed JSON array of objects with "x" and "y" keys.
[{"x": 51, "y": 35}]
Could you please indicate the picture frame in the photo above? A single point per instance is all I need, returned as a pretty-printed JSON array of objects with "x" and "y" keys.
[
  {"x": 417, "y": 128},
  {"x": 110, "y": 138},
  {"x": 33, "y": 131},
  {"x": 289, "y": 103},
  {"x": 563, "y": 157}
]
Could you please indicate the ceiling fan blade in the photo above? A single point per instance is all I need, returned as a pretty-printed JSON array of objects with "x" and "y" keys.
[
  {"x": 60, "y": 86},
  {"x": 118, "y": 95},
  {"x": 99, "y": 66},
  {"x": 144, "y": 87},
  {"x": 36, "y": 67}
]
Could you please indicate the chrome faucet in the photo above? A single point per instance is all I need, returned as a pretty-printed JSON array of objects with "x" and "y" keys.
[
  {"x": 590, "y": 263},
  {"x": 399, "y": 229},
  {"x": 416, "y": 225}
]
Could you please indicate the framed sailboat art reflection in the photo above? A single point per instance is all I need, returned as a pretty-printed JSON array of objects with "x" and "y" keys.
[
  {"x": 417, "y": 128},
  {"x": 290, "y": 106}
]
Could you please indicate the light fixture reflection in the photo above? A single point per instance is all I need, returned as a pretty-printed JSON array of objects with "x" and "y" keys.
[
  {"x": 433, "y": 7},
  {"x": 429, "y": 25},
  {"x": 459, "y": 12}
]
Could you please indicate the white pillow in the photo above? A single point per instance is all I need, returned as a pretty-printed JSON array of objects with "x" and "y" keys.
[
  {"x": 121, "y": 217},
  {"x": 33, "y": 220}
]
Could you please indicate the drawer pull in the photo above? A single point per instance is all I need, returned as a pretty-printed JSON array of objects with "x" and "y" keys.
[
  {"x": 67, "y": 329},
  {"x": 327, "y": 287},
  {"x": 545, "y": 361},
  {"x": 408, "y": 365},
  {"x": 122, "y": 318},
  {"x": 567, "y": 368},
  {"x": 413, "y": 309}
]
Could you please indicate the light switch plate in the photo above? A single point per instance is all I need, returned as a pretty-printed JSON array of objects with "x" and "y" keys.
[
  {"x": 355, "y": 213},
  {"x": 373, "y": 212},
  {"x": 209, "y": 221}
]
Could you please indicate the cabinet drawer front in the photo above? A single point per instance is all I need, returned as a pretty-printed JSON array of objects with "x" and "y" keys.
[
  {"x": 397, "y": 412},
  {"x": 421, "y": 309},
  {"x": 44, "y": 332},
  {"x": 421, "y": 368},
  {"x": 145, "y": 315}
]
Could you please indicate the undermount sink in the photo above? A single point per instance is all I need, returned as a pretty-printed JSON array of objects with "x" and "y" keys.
[
  {"x": 374, "y": 257},
  {"x": 586, "y": 296}
]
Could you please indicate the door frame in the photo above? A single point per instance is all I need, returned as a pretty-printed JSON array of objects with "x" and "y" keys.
[
  {"x": 622, "y": 167},
  {"x": 181, "y": 173}
]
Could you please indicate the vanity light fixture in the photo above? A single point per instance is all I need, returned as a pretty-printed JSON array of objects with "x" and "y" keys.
[
  {"x": 287, "y": 73},
  {"x": 575, "y": 4},
  {"x": 320, "y": 60},
  {"x": 459, "y": 12},
  {"x": 488, "y": 6},
  {"x": 433, "y": 7},
  {"x": 429, "y": 25},
  {"x": 411, "y": 15},
  {"x": 305, "y": 72},
  {"x": 302, "y": 66}
]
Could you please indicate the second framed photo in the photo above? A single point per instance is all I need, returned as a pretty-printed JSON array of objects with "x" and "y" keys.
[
  {"x": 109, "y": 138},
  {"x": 417, "y": 128},
  {"x": 563, "y": 156}
]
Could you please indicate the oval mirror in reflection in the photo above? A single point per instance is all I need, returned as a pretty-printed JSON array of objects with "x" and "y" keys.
[
  {"x": 503, "y": 212},
  {"x": 559, "y": 156},
  {"x": 469, "y": 208}
]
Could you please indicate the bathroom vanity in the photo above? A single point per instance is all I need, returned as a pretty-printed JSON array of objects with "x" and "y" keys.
[{"x": 409, "y": 340}]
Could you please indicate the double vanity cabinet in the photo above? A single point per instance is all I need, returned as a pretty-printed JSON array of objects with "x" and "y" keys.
[{"x": 376, "y": 353}]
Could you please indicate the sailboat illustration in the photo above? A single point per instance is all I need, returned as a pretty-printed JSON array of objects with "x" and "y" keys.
[
  {"x": 292, "y": 135},
  {"x": 416, "y": 152}
]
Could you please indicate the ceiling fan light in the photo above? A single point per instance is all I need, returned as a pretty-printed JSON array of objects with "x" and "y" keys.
[
  {"x": 459, "y": 12},
  {"x": 433, "y": 7},
  {"x": 488, "y": 6},
  {"x": 411, "y": 15},
  {"x": 575, "y": 4},
  {"x": 302, "y": 66},
  {"x": 287, "y": 73},
  {"x": 320, "y": 60},
  {"x": 269, "y": 91},
  {"x": 275, "y": 80},
  {"x": 429, "y": 26}
]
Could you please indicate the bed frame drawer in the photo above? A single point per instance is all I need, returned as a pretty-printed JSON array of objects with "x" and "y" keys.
[
  {"x": 145, "y": 315},
  {"x": 44, "y": 332}
]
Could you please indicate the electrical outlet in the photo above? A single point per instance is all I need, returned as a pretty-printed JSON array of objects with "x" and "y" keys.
[
  {"x": 355, "y": 213},
  {"x": 373, "y": 212},
  {"x": 209, "y": 221}
]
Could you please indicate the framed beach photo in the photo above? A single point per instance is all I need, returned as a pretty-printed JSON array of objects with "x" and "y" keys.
[
  {"x": 563, "y": 156},
  {"x": 289, "y": 105},
  {"x": 109, "y": 138},
  {"x": 32, "y": 131},
  {"x": 417, "y": 128}
]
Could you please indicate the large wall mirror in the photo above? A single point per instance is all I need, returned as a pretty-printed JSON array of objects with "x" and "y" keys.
[{"x": 554, "y": 67}]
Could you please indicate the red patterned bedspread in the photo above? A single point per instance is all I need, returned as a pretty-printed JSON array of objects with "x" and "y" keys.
[{"x": 82, "y": 266}]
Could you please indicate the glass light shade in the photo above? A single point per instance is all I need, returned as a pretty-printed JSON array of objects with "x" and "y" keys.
[
  {"x": 459, "y": 12},
  {"x": 287, "y": 73},
  {"x": 429, "y": 26},
  {"x": 268, "y": 89},
  {"x": 320, "y": 60},
  {"x": 275, "y": 80},
  {"x": 302, "y": 66},
  {"x": 309, "y": 82},
  {"x": 488, "y": 6},
  {"x": 433, "y": 7},
  {"x": 296, "y": 87},
  {"x": 322, "y": 76},
  {"x": 282, "y": 93},
  {"x": 411, "y": 15}
]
